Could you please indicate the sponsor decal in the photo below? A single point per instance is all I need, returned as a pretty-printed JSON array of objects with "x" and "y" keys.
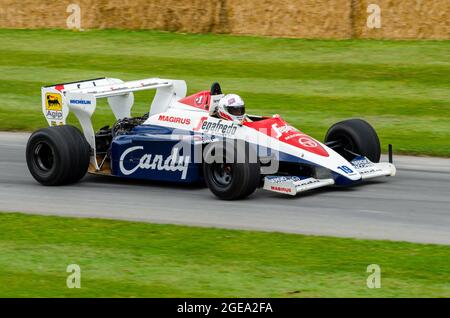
[
  {"x": 53, "y": 114},
  {"x": 80, "y": 102},
  {"x": 292, "y": 132},
  {"x": 369, "y": 171},
  {"x": 296, "y": 180},
  {"x": 293, "y": 135},
  {"x": 216, "y": 127},
  {"x": 173, "y": 163},
  {"x": 309, "y": 181},
  {"x": 53, "y": 102},
  {"x": 281, "y": 189},
  {"x": 307, "y": 142},
  {"x": 283, "y": 179},
  {"x": 364, "y": 166},
  {"x": 175, "y": 119},
  {"x": 53, "y": 106},
  {"x": 362, "y": 163},
  {"x": 280, "y": 130}
]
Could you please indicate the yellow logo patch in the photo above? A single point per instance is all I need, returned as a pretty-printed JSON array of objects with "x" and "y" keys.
[{"x": 53, "y": 101}]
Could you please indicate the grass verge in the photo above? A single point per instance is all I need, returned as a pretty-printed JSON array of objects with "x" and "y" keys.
[{"x": 128, "y": 259}]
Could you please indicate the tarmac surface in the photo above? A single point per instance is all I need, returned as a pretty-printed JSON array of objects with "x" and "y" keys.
[{"x": 412, "y": 206}]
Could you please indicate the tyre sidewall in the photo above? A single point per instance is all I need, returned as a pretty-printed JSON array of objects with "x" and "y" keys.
[
  {"x": 59, "y": 170},
  {"x": 71, "y": 155},
  {"x": 245, "y": 177},
  {"x": 361, "y": 134}
]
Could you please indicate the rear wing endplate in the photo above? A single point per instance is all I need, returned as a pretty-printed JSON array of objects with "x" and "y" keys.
[{"x": 81, "y": 98}]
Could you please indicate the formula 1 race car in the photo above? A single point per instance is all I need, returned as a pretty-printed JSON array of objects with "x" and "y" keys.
[{"x": 182, "y": 140}]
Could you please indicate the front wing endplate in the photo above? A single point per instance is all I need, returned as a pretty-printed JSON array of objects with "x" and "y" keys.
[{"x": 294, "y": 184}]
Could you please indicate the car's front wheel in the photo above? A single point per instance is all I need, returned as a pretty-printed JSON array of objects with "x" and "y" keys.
[
  {"x": 354, "y": 136},
  {"x": 231, "y": 169},
  {"x": 57, "y": 155}
]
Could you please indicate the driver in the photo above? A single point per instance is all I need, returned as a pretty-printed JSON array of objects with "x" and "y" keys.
[{"x": 231, "y": 107}]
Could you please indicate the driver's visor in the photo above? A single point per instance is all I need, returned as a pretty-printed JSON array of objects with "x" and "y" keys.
[{"x": 236, "y": 110}]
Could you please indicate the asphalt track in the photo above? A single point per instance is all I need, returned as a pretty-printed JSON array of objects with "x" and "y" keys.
[{"x": 413, "y": 206}]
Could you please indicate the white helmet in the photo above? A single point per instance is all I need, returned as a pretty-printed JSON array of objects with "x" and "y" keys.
[{"x": 231, "y": 107}]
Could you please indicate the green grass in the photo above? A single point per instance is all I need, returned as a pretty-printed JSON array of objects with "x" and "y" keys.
[
  {"x": 401, "y": 87},
  {"x": 126, "y": 259}
]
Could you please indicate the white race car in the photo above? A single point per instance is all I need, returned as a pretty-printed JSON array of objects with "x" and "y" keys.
[{"x": 181, "y": 140}]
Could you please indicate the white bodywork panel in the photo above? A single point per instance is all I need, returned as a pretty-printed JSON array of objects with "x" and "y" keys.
[{"x": 81, "y": 99}]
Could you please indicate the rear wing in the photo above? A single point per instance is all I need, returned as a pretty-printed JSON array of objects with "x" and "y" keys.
[{"x": 81, "y": 98}]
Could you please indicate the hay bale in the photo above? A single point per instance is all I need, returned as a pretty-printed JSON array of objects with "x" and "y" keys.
[{"x": 401, "y": 19}]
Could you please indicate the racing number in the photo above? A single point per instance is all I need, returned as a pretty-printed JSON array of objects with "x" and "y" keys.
[{"x": 345, "y": 169}]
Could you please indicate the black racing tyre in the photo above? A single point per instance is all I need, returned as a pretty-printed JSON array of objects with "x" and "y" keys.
[
  {"x": 58, "y": 155},
  {"x": 354, "y": 136},
  {"x": 231, "y": 169}
]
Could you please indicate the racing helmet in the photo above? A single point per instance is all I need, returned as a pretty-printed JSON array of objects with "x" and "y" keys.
[{"x": 231, "y": 107}]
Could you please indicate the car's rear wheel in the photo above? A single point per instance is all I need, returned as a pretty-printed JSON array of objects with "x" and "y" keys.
[
  {"x": 57, "y": 155},
  {"x": 354, "y": 136},
  {"x": 231, "y": 169}
]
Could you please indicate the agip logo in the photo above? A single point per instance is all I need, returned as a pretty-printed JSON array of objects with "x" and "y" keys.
[{"x": 53, "y": 102}]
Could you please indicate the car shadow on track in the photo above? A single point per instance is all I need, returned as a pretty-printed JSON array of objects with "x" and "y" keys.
[
  {"x": 260, "y": 193},
  {"x": 141, "y": 182},
  {"x": 324, "y": 190}
]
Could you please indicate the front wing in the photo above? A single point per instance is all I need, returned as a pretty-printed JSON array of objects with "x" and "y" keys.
[{"x": 292, "y": 185}]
